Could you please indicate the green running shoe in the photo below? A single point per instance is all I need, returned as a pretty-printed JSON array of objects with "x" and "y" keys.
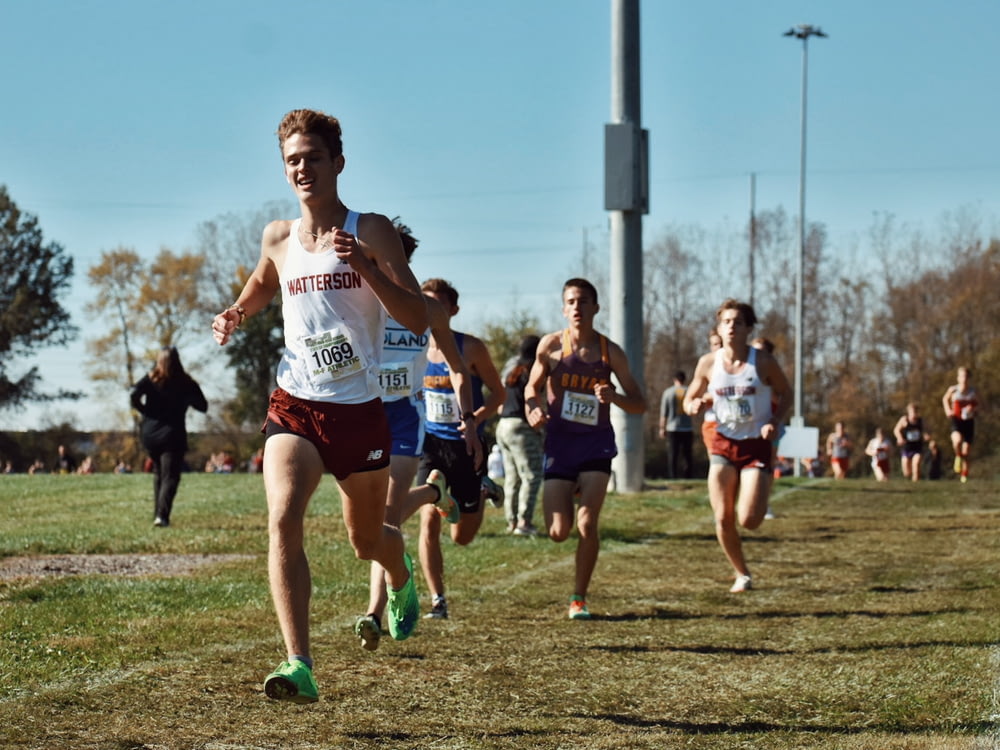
[
  {"x": 578, "y": 608},
  {"x": 292, "y": 681},
  {"x": 369, "y": 631},
  {"x": 445, "y": 504},
  {"x": 404, "y": 606}
]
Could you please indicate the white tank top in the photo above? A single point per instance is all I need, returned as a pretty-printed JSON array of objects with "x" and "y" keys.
[
  {"x": 334, "y": 326},
  {"x": 404, "y": 361},
  {"x": 742, "y": 403}
]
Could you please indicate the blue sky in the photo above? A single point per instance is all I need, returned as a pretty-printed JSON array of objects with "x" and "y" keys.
[{"x": 481, "y": 125}]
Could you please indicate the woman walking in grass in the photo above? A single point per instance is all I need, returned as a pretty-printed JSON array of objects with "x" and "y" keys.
[{"x": 162, "y": 398}]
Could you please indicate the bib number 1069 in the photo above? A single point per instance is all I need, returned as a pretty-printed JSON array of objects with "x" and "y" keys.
[{"x": 334, "y": 356}]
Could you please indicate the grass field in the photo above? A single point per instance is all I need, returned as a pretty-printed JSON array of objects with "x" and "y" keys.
[{"x": 874, "y": 624}]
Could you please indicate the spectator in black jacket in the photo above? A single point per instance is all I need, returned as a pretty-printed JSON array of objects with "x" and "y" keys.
[{"x": 163, "y": 397}]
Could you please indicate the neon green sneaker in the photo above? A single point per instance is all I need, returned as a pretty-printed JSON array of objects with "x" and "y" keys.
[
  {"x": 369, "y": 631},
  {"x": 445, "y": 504},
  {"x": 578, "y": 608},
  {"x": 292, "y": 681},
  {"x": 404, "y": 606}
]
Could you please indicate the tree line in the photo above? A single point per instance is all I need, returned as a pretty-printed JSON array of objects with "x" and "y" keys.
[
  {"x": 885, "y": 324},
  {"x": 886, "y": 321}
]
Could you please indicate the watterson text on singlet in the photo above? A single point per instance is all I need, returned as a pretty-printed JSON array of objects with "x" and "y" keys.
[
  {"x": 325, "y": 282},
  {"x": 736, "y": 390}
]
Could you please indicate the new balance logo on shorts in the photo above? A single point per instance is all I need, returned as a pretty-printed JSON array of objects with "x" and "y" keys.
[{"x": 374, "y": 455}]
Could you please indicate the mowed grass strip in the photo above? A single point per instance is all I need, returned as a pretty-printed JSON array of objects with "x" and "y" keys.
[{"x": 873, "y": 624}]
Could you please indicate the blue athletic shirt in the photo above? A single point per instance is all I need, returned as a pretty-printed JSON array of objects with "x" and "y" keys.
[{"x": 443, "y": 412}]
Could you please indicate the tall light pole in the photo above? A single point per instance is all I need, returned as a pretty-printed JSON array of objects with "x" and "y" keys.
[
  {"x": 753, "y": 229},
  {"x": 626, "y": 197},
  {"x": 803, "y": 32}
]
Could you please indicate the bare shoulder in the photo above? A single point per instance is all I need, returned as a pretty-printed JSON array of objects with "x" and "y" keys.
[
  {"x": 475, "y": 348},
  {"x": 275, "y": 233},
  {"x": 473, "y": 342},
  {"x": 377, "y": 232},
  {"x": 705, "y": 362},
  {"x": 765, "y": 358},
  {"x": 437, "y": 315},
  {"x": 550, "y": 342},
  {"x": 616, "y": 354},
  {"x": 768, "y": 366}
]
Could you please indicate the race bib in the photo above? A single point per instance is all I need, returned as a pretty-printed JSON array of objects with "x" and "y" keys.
[
  {"x": 734, "y": 410},
  {"x": 332, "y": 356},
  {"x": 396, "y": 378},
  {"x": 581, "y": 408},
  {"x": 442, "y": 407},
  {"x": 913, "y": 435},
  {"x": 967, "y": 412}
]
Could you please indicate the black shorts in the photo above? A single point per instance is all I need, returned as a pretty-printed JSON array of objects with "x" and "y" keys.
[
  {"x": 451, "y": 459},
  {"x": 602, "y": 465},
  {"x": 964, "y": 427}
]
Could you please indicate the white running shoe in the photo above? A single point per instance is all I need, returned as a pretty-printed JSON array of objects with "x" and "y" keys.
[{"x": 743, "y": 583}]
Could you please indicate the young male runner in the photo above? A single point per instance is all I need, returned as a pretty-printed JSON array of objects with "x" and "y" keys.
[
  {"x": 445, "y": 444},
  {"x": 570, "y": 394},
  {"x": 404, "y": 361},
  {"x": 750, "y": 396},
  {"x": 339, "y": 273},
  {"x": 961, "y": 403}
]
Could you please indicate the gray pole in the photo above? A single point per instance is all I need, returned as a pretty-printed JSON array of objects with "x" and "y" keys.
[
  {"x": 753, "y": 229},
  {"x": 800, "y": 267},
  {"x": 803, "y": 32},
  {"x": 625, "y": 294}
]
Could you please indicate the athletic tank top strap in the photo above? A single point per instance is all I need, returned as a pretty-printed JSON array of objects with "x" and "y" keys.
[
  {"x": 567, "y": 346},
  {"x": 350, "y": 225}
]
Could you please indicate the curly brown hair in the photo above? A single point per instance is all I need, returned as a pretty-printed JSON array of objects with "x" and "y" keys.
[{"x": 311, "y": 122}]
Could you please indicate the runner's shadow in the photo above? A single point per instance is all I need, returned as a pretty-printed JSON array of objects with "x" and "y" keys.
[{"x": 766, "y": 727}]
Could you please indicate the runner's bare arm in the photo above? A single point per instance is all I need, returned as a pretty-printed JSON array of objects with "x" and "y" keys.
[
  {"x": 534, "y": 391},
  {"x": 693, "y": 397},
  {"x": 260, "y": 288},
  {"x": 631, "y": 400}
]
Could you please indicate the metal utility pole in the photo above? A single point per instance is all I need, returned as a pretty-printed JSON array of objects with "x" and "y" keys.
[
  {"x": 803, "y": 32},
  {"x": 753, "y": 229},
  {"x": 626, "y": 196}
]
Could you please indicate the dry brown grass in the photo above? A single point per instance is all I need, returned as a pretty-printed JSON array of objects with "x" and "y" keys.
[{"x": 874, "y": 625}]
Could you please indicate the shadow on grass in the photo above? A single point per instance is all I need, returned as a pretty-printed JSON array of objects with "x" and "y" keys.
[
  {"x": 764, "y": 727},
  {"x": 623, "y": 536},
  {"x": 666, "y": 614},
  {"x": 758, "y": 651},
  {"x": 430, "y": 739}
]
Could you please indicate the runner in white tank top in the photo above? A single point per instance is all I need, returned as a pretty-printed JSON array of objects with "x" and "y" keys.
[
  {"x": 339, "y": 274},
  {"x": 334, "y": 326},
  {"x": 739, "y": 381},
  {"x": 741, "y": 401}
]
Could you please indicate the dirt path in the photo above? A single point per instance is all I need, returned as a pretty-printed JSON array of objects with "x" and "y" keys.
[{"x": 43, "y": 566}]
